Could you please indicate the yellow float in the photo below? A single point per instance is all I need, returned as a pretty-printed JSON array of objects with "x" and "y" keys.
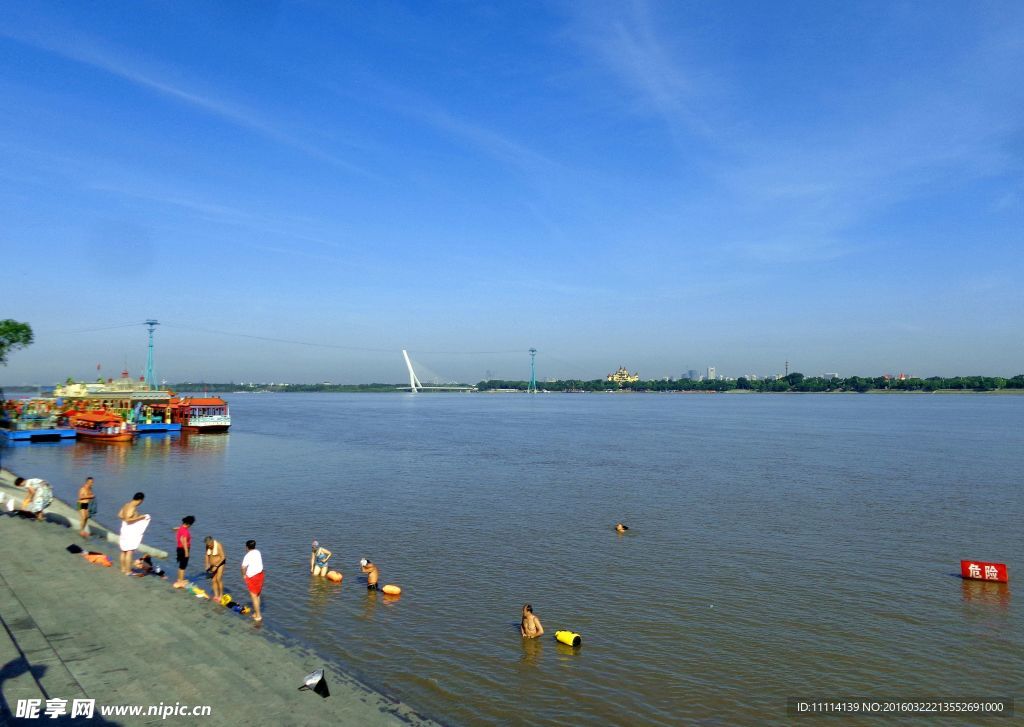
[
  {"x": 391, "y": 590},
  {"x": 334, "y": 576},
  {"x": 569, "y": 638}
]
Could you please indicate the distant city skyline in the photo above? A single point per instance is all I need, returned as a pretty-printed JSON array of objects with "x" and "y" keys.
[{"x": 664, "y": 186}]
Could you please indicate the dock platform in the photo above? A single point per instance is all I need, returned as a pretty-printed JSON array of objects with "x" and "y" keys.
[{"x": 37, "y": 435}]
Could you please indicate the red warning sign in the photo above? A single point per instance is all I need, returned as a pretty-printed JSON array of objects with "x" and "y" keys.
[{"x": 977, "y": 570}]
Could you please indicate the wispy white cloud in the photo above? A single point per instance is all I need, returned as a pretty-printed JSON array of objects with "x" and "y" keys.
[
  {"x": 801, "y": 191},
  {"x": 80, "y": 49},
  {"x": 422, "y": 109},
  {"x": 624, "y": 38}
]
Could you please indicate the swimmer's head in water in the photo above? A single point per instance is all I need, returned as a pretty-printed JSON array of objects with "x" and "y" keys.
[{"x": 364, "y": 561}]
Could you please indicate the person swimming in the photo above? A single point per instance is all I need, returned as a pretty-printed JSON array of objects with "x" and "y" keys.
[
  {"x": 318, "y": 559},
  {"x": 530, "y": 627},
  {"x": 620, "y": 528},
  {"x": 372, "y": 574}
]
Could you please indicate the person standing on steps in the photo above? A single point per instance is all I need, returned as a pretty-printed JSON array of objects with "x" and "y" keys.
[
  {"x": 133, "y": 525},
  {"x": 215, "y": 560},
  {"x": 252, "y": 573},
  {"x": 85, "y": 502},
  {"x": 183, "y": 541}
]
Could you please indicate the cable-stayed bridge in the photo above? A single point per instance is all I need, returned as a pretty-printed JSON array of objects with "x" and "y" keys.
[{"x": 415, "y": 385}]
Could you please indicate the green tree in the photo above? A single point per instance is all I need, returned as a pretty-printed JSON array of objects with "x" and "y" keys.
[{"x": 13, "y": 335}]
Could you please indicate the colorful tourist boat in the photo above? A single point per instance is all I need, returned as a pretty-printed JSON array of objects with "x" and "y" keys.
[
  {"x": 100, "y": 426},
  {"x": 138, "y": 403},
  {"x": 203, "y": 415}
]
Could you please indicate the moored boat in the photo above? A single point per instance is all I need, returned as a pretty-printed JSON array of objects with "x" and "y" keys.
[
  {"x": 203, "y": 415},
  {"x": 141, "y": 405},
  {"x": 100, "y": 426}
]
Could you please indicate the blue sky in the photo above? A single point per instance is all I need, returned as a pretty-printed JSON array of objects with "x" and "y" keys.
[{"x": 661, "y": 185}]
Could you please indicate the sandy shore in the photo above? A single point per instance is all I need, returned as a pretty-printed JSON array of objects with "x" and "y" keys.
[{"x": 74, "y": 630}]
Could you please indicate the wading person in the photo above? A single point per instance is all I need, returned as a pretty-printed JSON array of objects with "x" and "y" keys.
[
  {"x": 215, "y": 560},
  {"x": 183, "y": 541},
  {"x": 372, "y": 574},
  {"x": 85, "y": 500},
  {"x": 252, "y": 573},
  {"x": 318, "y": 559},
  {"x": 530, "y": 627},
  {"x": 133, "y": 525}
]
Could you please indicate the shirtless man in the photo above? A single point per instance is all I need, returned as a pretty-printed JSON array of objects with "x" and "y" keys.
[
  {"x": 530, "y": 627},
  {"x": 215, "y": 560},
  {"x": 85, "y": 498},
  {"x": 372, "y": 574},
  {"x": 129, "y": 514}
]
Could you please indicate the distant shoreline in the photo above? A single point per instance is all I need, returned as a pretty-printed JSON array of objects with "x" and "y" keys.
[{"x": 996, "y": 392}]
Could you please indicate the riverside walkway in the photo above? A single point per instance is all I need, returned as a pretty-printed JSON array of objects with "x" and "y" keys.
[{"x": 71, "y": 630}]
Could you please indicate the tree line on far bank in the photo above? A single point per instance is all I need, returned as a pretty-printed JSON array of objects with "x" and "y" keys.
[{"x": 792, "y": 382}]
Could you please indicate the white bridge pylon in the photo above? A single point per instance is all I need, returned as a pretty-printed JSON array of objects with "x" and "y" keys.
[
  {"x": 414, "y": 382},
  {"x": 415, "y": 385}
]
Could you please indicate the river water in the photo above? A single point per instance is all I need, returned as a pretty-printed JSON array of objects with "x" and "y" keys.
[{"x": 780, "y": 546}]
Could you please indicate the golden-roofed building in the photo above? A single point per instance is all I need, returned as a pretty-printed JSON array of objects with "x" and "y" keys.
[{"x": 622, "y": 376}]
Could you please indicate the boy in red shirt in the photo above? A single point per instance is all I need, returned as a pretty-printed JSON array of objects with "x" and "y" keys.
[{"x": 184, "y": 543}]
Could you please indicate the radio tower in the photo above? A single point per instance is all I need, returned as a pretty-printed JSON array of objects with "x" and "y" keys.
[
  {"x": 532, "y": 389},
  {"x": 149, "y": 358}
]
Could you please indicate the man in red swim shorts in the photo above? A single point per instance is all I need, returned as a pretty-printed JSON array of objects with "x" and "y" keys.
[{"x": 252, "y": 572}]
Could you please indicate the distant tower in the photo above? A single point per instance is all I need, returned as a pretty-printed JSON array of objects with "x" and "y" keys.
[
  {"x": 149, "y": 358},
  {"x": 532, "y": 389},
  {"x": 787, "y": 368}
]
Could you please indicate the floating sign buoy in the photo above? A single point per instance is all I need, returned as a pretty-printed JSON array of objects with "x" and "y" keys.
[
  {"x": 391, "y": 590},
  {"x": 334, "y": 576},
  {"x": 977, "y": 570},
  {"x": 569, "y": 638}
]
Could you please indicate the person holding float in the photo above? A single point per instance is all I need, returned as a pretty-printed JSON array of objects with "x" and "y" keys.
[
  {"x": 318, "y": 559},
  {"x": 372, "y": 574}
]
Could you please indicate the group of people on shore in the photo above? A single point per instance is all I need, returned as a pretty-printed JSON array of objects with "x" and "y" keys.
[{"x": 134, "y": 524}]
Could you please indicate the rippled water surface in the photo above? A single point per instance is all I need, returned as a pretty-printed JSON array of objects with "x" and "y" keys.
[{"x": 781, "y": 545}]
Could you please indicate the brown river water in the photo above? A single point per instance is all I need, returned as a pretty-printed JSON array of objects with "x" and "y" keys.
[{"x": 781, "y": 546}]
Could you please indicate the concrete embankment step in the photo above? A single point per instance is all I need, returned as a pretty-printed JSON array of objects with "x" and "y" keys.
[
  {"x": 31, "y": 668},
  {"x": 16, "y": 678}
]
